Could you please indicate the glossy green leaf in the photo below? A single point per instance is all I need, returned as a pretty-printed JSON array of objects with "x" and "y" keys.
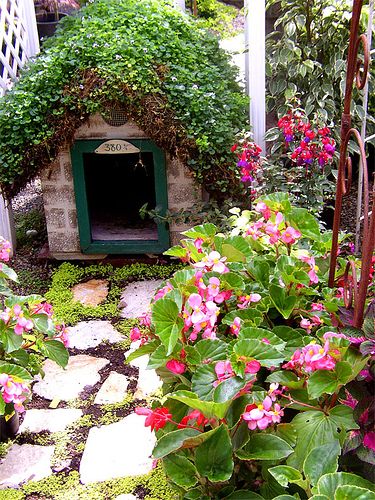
[
  {"x": 285, "y": 475},
  {"x": 255, "y": 349},
  {"x": 328, "y": 484},
  {"x": 321, "y": 460},
  {"x": 283, "y": 302},
  {"x": 260, "y": 334},
  {"x": 265, "y": 447},
  {"x": 301, "y": 219},
  {"x": 208, "y": 408},
  {"x": 213, "y": 458},
  {"x": 15, "y": 370},
  {"x": 286, "y": 378},
  {"x": 167, "y": 323},
  {"x": 55, "y": 350},
  {"x": 349, "y": 492},
  {"x": 211, "y": 350},
  {"x": 180, "y": 470},
  {"x": 202, "y": 382},
  {"x": 172, "y": 441},
  {"x": 144, "y": 349}
]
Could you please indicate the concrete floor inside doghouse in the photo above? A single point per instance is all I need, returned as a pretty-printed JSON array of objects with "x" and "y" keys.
[{"x": 117, "y": 186}]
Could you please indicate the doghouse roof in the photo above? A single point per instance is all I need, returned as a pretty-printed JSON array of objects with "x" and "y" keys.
[{"x": 154, "y": 62}]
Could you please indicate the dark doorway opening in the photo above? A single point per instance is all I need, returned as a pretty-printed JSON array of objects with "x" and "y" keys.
[{"x": 117, "y": 186}]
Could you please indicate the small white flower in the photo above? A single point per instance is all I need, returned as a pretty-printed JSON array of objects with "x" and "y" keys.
[
  {"x": 117, "y": 56},
  {"x": 195, "y": 87}
]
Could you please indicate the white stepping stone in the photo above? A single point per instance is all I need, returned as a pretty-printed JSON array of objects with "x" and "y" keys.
[
  {"x": 25, "y": 463},
  {"x": 49, "y": 420},
  {"x": 118, "y": 450},
  {"x": 66, "y": 384},
  {"x": 148, "y": 381},
  {"x": 136, "y": 297},
  {"x": 113, "y": 390},
  {"x": 88, "y": 334}
]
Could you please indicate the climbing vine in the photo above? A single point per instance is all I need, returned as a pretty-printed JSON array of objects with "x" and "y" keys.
[{"x": 154, "y": 62}]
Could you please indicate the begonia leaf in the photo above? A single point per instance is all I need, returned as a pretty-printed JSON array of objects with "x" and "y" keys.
[
  {"x": 14, "y": 370},
  {"x": 55, "y": 350},
  {"x": 172, "y": 441},
  {"x": 209, "y": 409},
  {"x": 328, "y": 484},
  {"x": 255, "y": 349},
  {"x": 285, "y": 475},
  {"x": 264, "y": 447},
  {"x": 213, "y": 458},
  {"x": 350, "y": 492},
  {"x": 202, "y": 381},
  {"x": 286, "y": 378},
  {"x": 167, "y": 323},
  {"x": 180, "y": 470},
  {"x": 321, "y": 460},
  {"x": 283, "y": 302}
]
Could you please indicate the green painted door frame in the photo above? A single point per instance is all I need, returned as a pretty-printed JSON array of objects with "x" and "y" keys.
[{"x": 90, "y": 246}]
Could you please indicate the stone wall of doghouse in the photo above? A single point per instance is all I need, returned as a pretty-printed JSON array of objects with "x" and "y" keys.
[{"x": 59, "y": 197}]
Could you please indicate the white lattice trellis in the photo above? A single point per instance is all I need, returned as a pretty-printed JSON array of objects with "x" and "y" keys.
[
  {"x": 18, "y": 42},
  {"x": 18, "y": 38}
]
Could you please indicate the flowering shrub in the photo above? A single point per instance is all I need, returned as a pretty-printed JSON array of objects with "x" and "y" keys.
[
  {"x": 301, "y": 160},
  {"x": 28, "y": 335},
  {"x": 260, "y": 368}
]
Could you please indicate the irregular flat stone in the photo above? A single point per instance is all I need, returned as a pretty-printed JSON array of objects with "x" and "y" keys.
[
  {"x": 136, "y": 298},
  {"x": 66, "y": 384},
  {"x": 92, "y": 333},
  {"x": 49, "y": 420},
  {"x": 148, "y": 381},
  {"x": 25, "y": 463},
  {"x": 117, "y": 450},
  {"x": 90, "y": 293},
  {"x": 113, "y": 390}
]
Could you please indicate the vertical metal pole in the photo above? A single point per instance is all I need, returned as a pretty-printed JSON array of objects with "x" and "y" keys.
[{"x": 255, "y": 39}]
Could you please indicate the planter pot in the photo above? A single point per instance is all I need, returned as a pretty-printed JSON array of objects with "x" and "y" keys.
[
  {"x": 9, "y": 429},
  {"x": 47, "y": 23}
]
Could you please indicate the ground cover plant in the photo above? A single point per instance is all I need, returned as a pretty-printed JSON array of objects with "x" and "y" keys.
[
  {"x": 268, "y": 388},
  {"x": 161, "y": 67}
]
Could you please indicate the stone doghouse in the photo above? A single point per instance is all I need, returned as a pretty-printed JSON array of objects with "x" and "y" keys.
[{"x": 94, "y": 190}]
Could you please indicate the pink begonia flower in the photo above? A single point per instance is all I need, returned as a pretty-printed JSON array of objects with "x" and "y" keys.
[
  {"x": 14, "y": 392},
  {"x": 252, "y": 366},
  {"x": 6, "y": 315},
  {"x": 43, "y": 308},
  {"x": 222, "y": 296},
  {"x": 62, "y": 334},
  {"x": 235, "y": 326},
  {"x": 263, "y": 209},
  {"x": 316, "y": 320},
  {"x": 213, "y": 288},
  {"x": 274, "y": 391},
  {"x": 213, "y": 262},
  {"x": 340, "y": 292},
  {"x": 369, "y": 440},
  {"x": 5, "y": 249},
  {"x": 262, "y": 415},
  {"x": 145, "y": 320},
  {"x": 156, "y": 419},
  {"x": 23, "y": 325},
  {"x": 306, "y": 324},
  {"x": 198, "y": 242},
  {"x": 135, "y": 334},
  {"x": 245, "y": 300},
  {"x": 290, "y": 235},
  {"x": 313, "y": 357},
  {"x": 254, "y": 230},
  {"x": 223, "y": 370},
  {"x": 163, "y": 291},
  {"x": 175, "y": 366},
  {"x": 317, "y": 307}
]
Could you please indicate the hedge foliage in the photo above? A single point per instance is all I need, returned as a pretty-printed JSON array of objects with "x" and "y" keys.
[{"x": 158, "y": 64}]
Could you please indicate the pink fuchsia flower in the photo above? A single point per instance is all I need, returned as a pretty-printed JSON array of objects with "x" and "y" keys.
[
  {"x": 213, "y": 262},
  {"x": 156, "y": 419},
  {"x": 317, "y": 307},
  {"x": 5, "y": 249},
  {"x": 175, "y": 366},
  {"x": 369, "y": 440},
  {"x": 245, "y": 300},
  {"x": 263, "y": 209},
  {"x": 235, "y": 326},
  {"x": 262, "y": 415},
  {"x": 290, "y": 235},
  {"x": 135, "y": 334}
]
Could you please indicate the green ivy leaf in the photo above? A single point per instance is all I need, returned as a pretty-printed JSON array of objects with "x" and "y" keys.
[{"x": 213, "y": 458}]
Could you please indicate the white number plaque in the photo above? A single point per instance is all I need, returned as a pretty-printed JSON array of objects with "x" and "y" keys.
[{"x": 116, "y": 147}]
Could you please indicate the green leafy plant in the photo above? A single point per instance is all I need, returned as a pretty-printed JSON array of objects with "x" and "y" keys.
[
  {"x": 306, "y": 57},
  {"x": 145, "y": 57},
  {"x": 217, "y": 16},
  {"x": 258, "y": 362},
  {"x": 28, "y": 335}
]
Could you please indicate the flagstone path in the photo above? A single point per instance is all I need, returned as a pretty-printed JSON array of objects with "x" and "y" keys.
[{"x": 117, "y": 450}]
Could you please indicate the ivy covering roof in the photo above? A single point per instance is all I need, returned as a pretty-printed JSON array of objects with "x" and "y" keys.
[{"x": 167, "y": 73}]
